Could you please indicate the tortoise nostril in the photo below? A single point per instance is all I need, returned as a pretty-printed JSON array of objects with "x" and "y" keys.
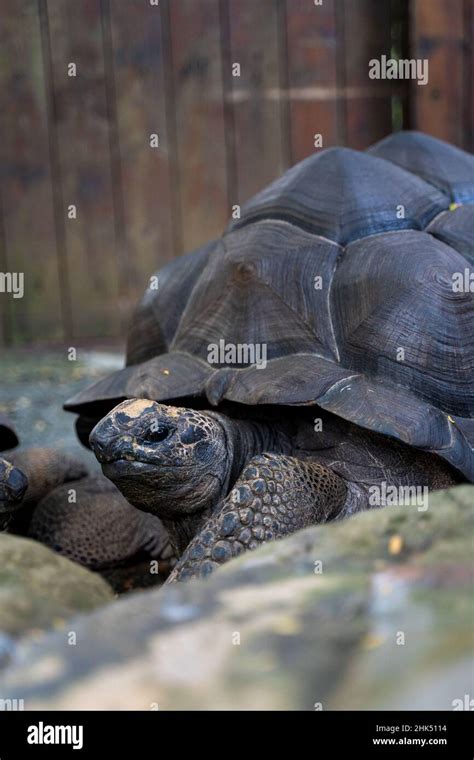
[
  {"x": 98, "y": 443},
  {"x": 109, "y": 448},
  {"x": 94, "y": 441}
]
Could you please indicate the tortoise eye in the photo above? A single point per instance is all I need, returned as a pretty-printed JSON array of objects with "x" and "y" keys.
[{"x": 157, "y": 435}]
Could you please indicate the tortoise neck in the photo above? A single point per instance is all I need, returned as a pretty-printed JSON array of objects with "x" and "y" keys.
[
  {"x": 181, "y": 532},
  {"x": 247, "y": 438}
]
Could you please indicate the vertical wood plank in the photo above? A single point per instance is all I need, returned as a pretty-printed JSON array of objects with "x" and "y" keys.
[
  {"x": 255, "y": 95},
  {"x": 126, "y": 266},
  {"x": 138, "y": 69},
  {"x": 440, "y": 34},
  {"x": 5, "y": 317},
  {"x": 364, "y": 34},
  {"x": 200, "y": 129},
  {"x": 82, "y": 113},
  {"x": 312, "y": 75},
  {"x": 469, "y": 75},
  {"x": 29, "y": 243}
]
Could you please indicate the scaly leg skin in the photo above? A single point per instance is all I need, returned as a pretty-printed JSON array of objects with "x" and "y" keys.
[
  {"x": 100, "y": 529},
  {"x": 45, "y": 469},
  {"x": 274, "y": 496},
  {"x": 13, "y": 484}
]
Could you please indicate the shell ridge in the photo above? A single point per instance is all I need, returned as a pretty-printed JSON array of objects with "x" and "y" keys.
[
  {"x": 330, "y": 303},
  {"x": 220, "y": 242}
]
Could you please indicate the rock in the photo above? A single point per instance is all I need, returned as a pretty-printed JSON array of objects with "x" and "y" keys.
[
  {"x": 371, "y": 612},
  {"x": 40, "y": 589}
]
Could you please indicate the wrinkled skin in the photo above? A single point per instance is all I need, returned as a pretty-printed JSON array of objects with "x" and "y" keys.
[
  {"x": 13, "y": 484},
  {"x": 223, "y": 485},
  {"x": 174, "y": 462},
  {"x": 168, "y": 461},
  {"x": 44, "y": 469}
]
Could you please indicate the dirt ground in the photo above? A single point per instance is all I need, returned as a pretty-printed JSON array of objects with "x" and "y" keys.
[{"x": 34, "y": 385}]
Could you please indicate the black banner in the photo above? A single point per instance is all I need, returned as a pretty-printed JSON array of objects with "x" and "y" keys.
[{"x": 373, "y": 734}]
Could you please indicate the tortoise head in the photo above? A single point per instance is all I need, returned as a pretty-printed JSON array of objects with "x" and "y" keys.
[
  {"x": 13, "y": 484},
  {"x": 167, "y": 460}
]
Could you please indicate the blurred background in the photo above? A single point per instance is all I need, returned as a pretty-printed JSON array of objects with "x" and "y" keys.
[{"x": 128, "y": 110}]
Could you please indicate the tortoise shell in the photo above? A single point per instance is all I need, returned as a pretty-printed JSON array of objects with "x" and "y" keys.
[{"x": 352, "y": 271}]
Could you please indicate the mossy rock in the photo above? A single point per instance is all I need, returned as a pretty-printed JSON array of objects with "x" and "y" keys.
[
  {"x": 40, "y": 589},
  {"x": 311, "y": 622}
]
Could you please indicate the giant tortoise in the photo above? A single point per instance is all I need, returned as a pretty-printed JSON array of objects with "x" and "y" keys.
[{"x": 315, "y": 358}]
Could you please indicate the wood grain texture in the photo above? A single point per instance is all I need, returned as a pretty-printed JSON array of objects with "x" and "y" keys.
[
  {"x": 27, "y": 240},
  {"x": 442, "y": 33},
  {"x": 140, "y": 96},
  {"x": 166, "y": 69},
  {"x": 469, "y": 75},
  {"x": 199, "y": 113},
  {"x": 254, "y": 96},
  {"x": 364, "y": 34},
  {"x": 83, "y": 124},
  {"x": 312, "y": 76}
]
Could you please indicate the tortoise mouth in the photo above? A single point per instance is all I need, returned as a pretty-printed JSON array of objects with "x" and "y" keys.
[
  {"x": 124, "y": 467},
  {"x": 159, "y": 490}
]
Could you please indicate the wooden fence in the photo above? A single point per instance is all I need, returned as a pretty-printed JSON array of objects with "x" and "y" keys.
[{"x": 126, "y": 138}]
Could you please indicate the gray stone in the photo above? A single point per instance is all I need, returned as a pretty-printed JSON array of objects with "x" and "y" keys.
[
  {"x": 371, "y": 612},
  {"x": 40, "y": 589}
]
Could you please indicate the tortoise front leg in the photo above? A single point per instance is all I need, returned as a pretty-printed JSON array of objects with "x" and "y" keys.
[
  {"x": 100, "y": 529},
  {"x": 275, "y": 495},
  {"x": 45, "y": 469},
  {"x": 13, "y": 484}
]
